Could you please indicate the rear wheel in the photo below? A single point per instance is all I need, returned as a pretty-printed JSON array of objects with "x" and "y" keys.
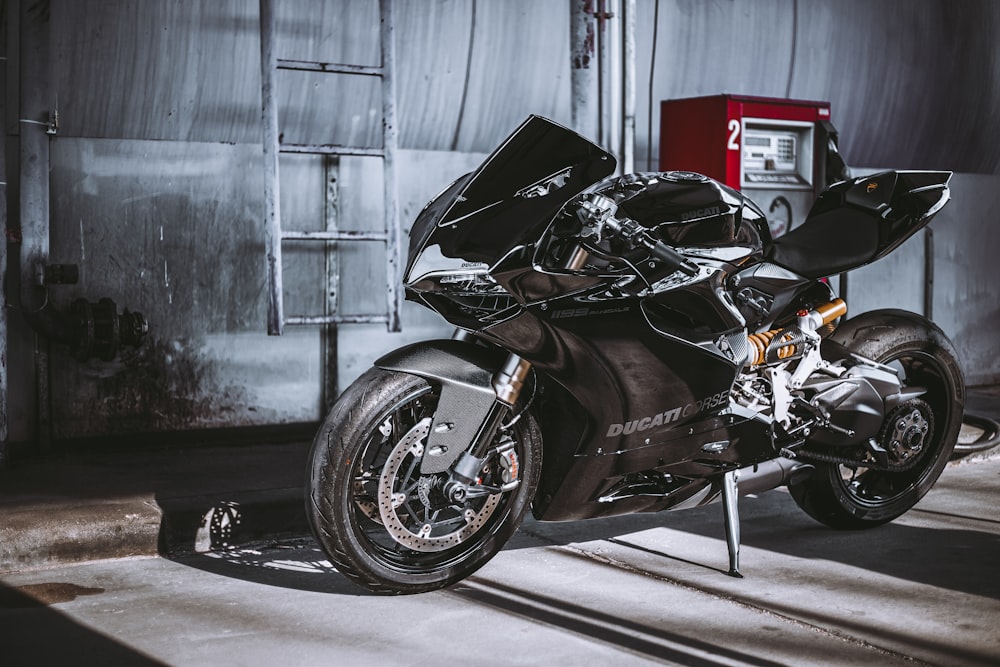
[
  {"x": 918, "y": 435},
  {"x": 385, "y": 525}
]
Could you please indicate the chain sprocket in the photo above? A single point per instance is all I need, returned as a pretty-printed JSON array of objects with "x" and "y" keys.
[{"x": 903, "y": 436}]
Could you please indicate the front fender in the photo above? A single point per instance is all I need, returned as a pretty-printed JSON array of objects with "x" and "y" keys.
[{"x": 464, "y": 371}]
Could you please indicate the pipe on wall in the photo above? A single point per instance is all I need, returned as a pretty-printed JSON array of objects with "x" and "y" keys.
[
  {"x": 4, "y": 432},
  {"x": 37, "y": 122},
  {"x": 584, "y": 89},
  {"x": 89, "y": 329},
  {"x": 628, "y": 86}
]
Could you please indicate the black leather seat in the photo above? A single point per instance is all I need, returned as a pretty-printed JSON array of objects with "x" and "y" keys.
[{"x": 828, "y": 243}]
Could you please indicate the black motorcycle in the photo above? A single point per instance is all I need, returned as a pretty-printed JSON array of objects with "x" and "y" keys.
[{"x": 631, "y": 344}]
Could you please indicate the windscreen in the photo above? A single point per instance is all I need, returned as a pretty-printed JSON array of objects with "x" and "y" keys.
[{"x": 511, "y": 198}]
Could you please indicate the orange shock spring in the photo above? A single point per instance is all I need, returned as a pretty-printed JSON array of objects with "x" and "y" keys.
[
  {"x": 813, "y": 319},
  {"x": 760, "y": 341}
]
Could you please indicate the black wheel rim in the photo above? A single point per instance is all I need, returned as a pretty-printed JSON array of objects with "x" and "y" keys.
[
  {"x": 872, "y": 488},
  {"x": 367, "y": 467}
]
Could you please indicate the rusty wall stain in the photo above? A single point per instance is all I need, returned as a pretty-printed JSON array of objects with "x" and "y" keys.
[{"x": 173, "y": 230}]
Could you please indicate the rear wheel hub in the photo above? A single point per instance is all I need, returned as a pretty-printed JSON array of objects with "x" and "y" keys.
[{"x": 906, "y": 431}]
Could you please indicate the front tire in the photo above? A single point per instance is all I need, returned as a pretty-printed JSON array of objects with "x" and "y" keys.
[
  {"x": 859, "y": 496},
  {"x": 385, "y": 526}
]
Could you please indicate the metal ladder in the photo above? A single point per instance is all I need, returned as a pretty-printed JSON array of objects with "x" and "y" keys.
[{"x": 274, "y": 234}]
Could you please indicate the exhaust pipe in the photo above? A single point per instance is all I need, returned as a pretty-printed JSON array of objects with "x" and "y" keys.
[{"x": 772, "y": 474}]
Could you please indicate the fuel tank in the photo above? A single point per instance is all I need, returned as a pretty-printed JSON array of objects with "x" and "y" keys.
[{"x": 686, "y": 209}]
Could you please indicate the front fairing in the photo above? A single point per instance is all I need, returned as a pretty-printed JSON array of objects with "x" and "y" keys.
[{"x": 508, "y": 201}]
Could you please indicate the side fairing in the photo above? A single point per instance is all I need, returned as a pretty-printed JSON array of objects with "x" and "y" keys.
[
  {"x": 633, "y": 398},
  {"x": 633, "y": 384}
]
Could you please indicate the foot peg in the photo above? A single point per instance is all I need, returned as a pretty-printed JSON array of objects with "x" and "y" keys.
[{"x": 730, "y": 497}]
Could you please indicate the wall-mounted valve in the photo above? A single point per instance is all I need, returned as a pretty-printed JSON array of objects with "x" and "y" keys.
[
  {"x": 102, "y": 331},
  {"x": 90, "y": 329}
]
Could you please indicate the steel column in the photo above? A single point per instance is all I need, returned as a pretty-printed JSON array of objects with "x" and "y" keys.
[
  {"x": 628, "y": 86},
  {"x": 390, "y": 143},
  {"x": 272, "y": 194},
  {"x": 331, "y": 265},
  {"x": 36, "y": 119},
  {"x": 928, "y": 272},
  {"x": 4, "y": 431},
  {"x": 583, "y": 68},
  {"x": 603, "y": 107},
  {"x": 605, "y": 122},
  {"x": 35, "y": 116}
]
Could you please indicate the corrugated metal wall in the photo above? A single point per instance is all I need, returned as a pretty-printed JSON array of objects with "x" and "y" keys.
[
  {"x": 156, "y": 172},
  {"x": 189, "y": 71},
  {"x": 912, "y": 83}
]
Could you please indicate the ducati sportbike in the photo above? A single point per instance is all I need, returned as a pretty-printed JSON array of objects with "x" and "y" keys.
[{"x": 631, "y": 344}]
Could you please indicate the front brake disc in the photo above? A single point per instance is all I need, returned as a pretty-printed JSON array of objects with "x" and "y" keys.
[{"x": 407, "y": 520}]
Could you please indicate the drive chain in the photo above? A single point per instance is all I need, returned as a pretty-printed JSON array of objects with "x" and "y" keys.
[{"x": 854, "y": 463}]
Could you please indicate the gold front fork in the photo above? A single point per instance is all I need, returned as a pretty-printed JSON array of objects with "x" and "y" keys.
[{"x": 509, "y": 380}]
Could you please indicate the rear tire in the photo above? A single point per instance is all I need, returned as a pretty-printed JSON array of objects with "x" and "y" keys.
[
  {"x": 368, "y": 452},
  {"x": 853, "y": 497}
]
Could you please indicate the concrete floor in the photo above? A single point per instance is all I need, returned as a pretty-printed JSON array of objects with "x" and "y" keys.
[{"x": 646, "y": 589}]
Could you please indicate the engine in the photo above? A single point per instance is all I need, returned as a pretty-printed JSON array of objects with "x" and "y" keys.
[{"x": 839, "y": 404}]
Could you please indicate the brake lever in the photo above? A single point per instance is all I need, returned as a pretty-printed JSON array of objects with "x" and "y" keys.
[
  {"x": 637, "y": 236},
  {"x": 673, "y": 259}
]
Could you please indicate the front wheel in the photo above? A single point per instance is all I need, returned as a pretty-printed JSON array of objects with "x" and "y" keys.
[
  {"x": 919, "y": 435},
  {"x": 382, "y": 523}
]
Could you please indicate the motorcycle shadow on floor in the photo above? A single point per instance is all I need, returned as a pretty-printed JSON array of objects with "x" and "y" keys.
[
  {"x": 953, "y": 558},
  {"x": 295, "y": 564}
]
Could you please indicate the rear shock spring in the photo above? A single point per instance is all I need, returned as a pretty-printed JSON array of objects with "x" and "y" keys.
[
  {"x": 761, "y": 342},
  {"x": 781, "y": 344}
]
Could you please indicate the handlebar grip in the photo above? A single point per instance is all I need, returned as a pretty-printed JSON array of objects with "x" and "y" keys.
[{"x": 673, "y": 259}]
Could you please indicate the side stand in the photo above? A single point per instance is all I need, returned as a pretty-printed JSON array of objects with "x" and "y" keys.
[{"x": 730, "y": 498}]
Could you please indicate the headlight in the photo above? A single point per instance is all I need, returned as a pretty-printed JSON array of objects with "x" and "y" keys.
[{"x": 432, "y": 263}]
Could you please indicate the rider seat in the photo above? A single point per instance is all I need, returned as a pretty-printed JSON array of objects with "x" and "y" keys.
[
  {"x": 827, "y": 243},
  {"x": 858, "y": 221}
]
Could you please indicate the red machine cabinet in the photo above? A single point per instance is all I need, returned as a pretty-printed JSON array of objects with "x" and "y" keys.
[{"x": 775, "y": 149}]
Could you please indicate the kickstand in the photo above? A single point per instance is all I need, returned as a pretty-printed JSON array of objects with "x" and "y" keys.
[{"x": 730, "y": 497}]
